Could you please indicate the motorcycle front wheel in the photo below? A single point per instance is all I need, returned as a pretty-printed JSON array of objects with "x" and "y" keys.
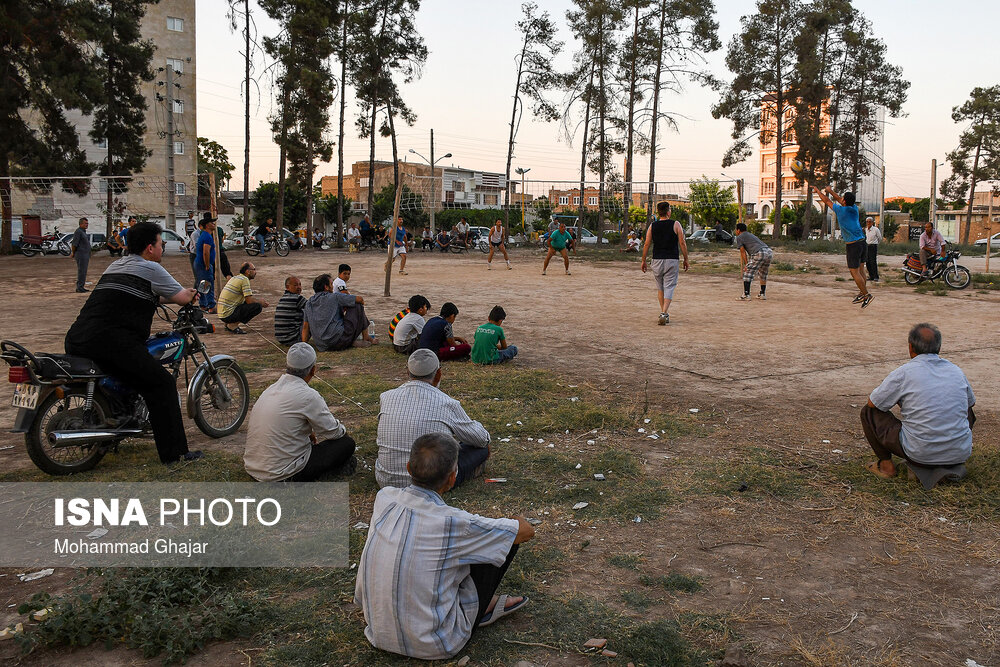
[
  {"x": 281, "y": 247},
  {"x": 63, "y": 248},
  {"x": 65, "y": 414},
  {"x": 957, "y": 277},
  {"x": 214, "y": 415}
]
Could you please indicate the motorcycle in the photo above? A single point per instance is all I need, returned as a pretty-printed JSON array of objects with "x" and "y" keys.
[
  {"x": 954, "y": 275},
  {"x": 72, "y": 414},
  {"x": 31, "y": 245},
  {"x": 252, "y": 246}
]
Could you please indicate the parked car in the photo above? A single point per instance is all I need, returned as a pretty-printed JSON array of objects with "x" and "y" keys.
[
  {"x": 97, "y": 240},
  {"x": 173, "y": 242},
  {"x": 708, "y": 236},
  {"x": 994, "y": 241},
  {"x": 233, "y": 240}
]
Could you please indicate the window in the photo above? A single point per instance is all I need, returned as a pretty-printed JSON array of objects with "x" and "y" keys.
[
  {"x": 174, "y": 24},
  {"x": 458, "y": 186},
  {"x": 178, "y": 106},
  {"x": 180, "y": 188},
  {"x": 363, "y": 182},
  {"x": 563, "y": 200},
  {"x": 101, "y": 143},
  {"x": 591, "y": 201},
  {"x": 576, "y": 201},
  {"x": 178, "y": 148},
  {"x": 177, "y": 64}
]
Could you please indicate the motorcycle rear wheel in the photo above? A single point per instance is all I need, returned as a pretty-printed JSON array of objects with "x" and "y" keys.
[
  {"x": 27, "y": 250},
  {"x": 57, "y": 414},
  {"x": 281, "y": 247},
  {"x": 214, "y": 416},
  {"x": 252, "y": 248},
  {"x": 957, "y": 277},
  {"x": 912, "y": 279}
]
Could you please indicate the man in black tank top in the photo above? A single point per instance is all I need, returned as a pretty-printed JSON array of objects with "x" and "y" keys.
[{"x": 667, "y": 239}]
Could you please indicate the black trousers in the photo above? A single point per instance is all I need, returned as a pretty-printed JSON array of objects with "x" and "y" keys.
[
  {"x": 487, "y": 579},
  {"x": 82, "y": 262},
  {"x": 325, "y": 457},
  {"x": 470, "y": 458},
  {"x": 871, "y": 261},
  {"x": 243, "y": 313},
  {"x": 131, "y": 363}
]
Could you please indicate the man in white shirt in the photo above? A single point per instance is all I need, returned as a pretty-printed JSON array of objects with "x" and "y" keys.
[
  {"x": 934, "y": 428},
  {"x": 417, "y": 408},
  {"x": 428, "y": 574},
  {"x": 407, "y": 333},
  {"x": 462, "y": 231},
  {"x": 354, "y": 236},
  {"x": 873, "y": 236},
  {"x": 291, "y": 435}
]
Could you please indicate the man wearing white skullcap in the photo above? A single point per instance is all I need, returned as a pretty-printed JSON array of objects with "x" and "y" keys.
[{"x": 291, "y": 435}]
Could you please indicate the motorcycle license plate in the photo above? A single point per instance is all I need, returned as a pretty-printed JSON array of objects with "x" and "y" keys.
[{"x": 25, "y": 396}]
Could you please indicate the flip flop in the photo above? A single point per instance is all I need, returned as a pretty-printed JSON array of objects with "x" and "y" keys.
[{"x": 500, "y": 610}]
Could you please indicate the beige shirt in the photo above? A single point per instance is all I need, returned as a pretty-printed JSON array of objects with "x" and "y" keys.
[{"x": 278, "y": 444}]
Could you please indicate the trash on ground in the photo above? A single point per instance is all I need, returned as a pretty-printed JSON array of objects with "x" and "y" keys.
[
  {"x": 579, "y": 465},
  {"x": 36, "y": 575},
  {"x": 646, "y": 421},
  {"x": 496, "y": 480},
  {"x": 97, "y": 532},
  {"x": 360, "y": 525},
  {"x": 591, "y": 442},
  {"x": 535, "y": 522},
  {"x": 638, "y": 519},
  {"x": 8, "y": 633},
  {"x": 599, "y": 477},
  {"x": 694, "y": 410},
  {"x": 598, "y": 643},
  {"x": 641, "y": 430},
  {"x": 580, "y": 505}
]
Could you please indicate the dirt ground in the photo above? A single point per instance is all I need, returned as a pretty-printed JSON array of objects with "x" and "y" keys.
[{"x": 805, "y": 585}]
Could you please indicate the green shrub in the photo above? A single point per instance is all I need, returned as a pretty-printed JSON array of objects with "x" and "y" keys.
[{"x": 614, "y": 238}]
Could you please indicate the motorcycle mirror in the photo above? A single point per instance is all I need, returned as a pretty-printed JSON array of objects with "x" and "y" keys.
[{"x": 204, "y": 287}]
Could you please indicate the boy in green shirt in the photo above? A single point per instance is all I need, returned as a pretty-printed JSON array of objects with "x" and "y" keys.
[{"x": 489, "y": 345}]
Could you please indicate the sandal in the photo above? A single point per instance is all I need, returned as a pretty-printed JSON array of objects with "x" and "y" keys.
[
  {"x": 500, "y": 610},
  {"x": 237, "y": 330}
]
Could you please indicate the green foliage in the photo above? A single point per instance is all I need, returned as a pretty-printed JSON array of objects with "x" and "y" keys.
[
  {"x": 213, "y": 158},
  {"x": 657, "y": 643},
  {"x": 173, "y": 612},
  {"x": 476, "y": 217},
  {"x": 264, "y": 201},
  {"x": 543, "y": 211},
  {"x": 889, "y": 228},
  {"x": 788, "y": 218},
  {"x": 613, "y": 238},
  {"x": 674, "y": 582},
  {"x": 755, "y": 227},
  {"x": 711, "y": 203},
  {"x": 637, "y": 217},
  {"x": 327, "y": 207}
]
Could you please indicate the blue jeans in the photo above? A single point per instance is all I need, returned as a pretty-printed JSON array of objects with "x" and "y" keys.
[
  {"x": 507, "y": 354},
  {"x": 260, "y": 240},
  {"x": 207, "y": 300}
]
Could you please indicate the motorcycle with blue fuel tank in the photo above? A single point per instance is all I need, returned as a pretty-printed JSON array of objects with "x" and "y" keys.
[{"x": 72, "y": 414}]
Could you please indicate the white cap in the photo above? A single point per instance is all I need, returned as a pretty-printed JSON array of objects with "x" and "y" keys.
[{"x": 300, "y": 357}]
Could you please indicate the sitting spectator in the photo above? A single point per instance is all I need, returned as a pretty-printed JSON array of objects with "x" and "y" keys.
[
  {"x": 935, "y": 408},
  {"x": 353, "y": 236},
  {"x": 382, "y": 236},
  {"x": 439, "y": 337},
  {"x": 407, "y": 331},
  {"x": 237, "y": 304},
  {"x": 114, "y": 245},
  {"x": 343, "y": 275},
  {"x": 443, "y": 240},
  {"x": 489, "y": 345},
  {"x": 416, "y": 408},
  {"x": 426, "y": 239},
  {"x": 288, "y": 314},
  {"x": 395, "y": 322},
  {"x": 414, "y": 535},
  {"x": 317, "y": 239},
  {"x": 335, "y": 319},
  {"x": 291, "y": 435},
  {"x": 365, "y": 229},
  {"x": 633, "y": 244}
]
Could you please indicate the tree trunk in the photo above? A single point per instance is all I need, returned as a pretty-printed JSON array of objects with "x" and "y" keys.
[
  {"x": 6, "y": 201},
  {"x": 246, "y": 126},
  {"x": 310, "y": 171},
  {"x": 629, "y": 141},
  {"x": 858, "y": 122},
  {"x": 656, "y": 119},
  {"x": 972, "y": 193},
  {"x": 779, "y": 122},
  {"x": 513, "y": 122},
  {"x": 583, "y": 153},
  {"x": 817, "y": 124},
  {"x": 340, "y": 141},
  {"x": 109, "y": 91},
  {"x": 602, "y": 98},
  {"x": 371, "y": 164},
  {"x": 282, "y": 154}
]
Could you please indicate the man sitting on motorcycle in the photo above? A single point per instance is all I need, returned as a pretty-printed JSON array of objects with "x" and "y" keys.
[
  {"x": 113, "y": 326},
  {"x": 264, "y": 230},
  {"x": 931, "y": 247}
]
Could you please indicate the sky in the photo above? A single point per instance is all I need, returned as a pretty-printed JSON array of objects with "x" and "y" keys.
[{"x": 465, "y": 93}]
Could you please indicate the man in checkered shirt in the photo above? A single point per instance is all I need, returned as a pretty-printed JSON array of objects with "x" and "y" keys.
[
  {"x": 755, "y": 258},
  {"x": 417, "y": 408}
]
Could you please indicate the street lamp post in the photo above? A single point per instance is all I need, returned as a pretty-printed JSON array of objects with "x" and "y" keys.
[
  {"x": 521, "y": 171},
  {"x": 432, "y": 162}
]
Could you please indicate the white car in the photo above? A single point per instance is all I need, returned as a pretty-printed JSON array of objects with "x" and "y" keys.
[
  {"x": 994, "y": 241},
  {"x": 173, "y": 243}
]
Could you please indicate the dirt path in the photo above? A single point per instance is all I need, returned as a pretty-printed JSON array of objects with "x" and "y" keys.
[{"x": 837, "y": 584}]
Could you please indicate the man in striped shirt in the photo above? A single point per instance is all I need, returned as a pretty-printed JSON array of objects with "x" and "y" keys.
[
  {"x": 288, "y": 313},
  {"x": 237, "y": 304},
  {"x": 428, "y": 574},
  {"x": 416, "y": 408}
]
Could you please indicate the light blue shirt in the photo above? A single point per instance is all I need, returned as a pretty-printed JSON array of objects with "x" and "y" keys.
[
  {"x": 934, "y": 398},
  {"x": 850, "y": 226},
  {"x": 414, "y": 585}
]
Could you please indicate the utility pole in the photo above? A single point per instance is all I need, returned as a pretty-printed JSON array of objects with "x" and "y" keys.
[
  {"x": 933, "y": 204},
  {"x": 246, "y": 117},
  {"x": 434, "y": 194},
  {"x": 171, "y": 186},
  {"x": 881, "y": 203},
  {"x": 739, "y": 197}
]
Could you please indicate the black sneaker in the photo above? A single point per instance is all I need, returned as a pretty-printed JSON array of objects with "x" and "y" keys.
[
  {"x": 191, "y": 456},
  {"x": 867, "y": 300},
  {"x": 859, "y": 298}
]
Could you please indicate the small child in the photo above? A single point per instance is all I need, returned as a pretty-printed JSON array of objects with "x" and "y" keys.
[
  {"x": 343, "y": 275},
  {"x": 489, "y": 345},
  {"x": 439, "y": 336},
  {"x": 407, "y": 331}
]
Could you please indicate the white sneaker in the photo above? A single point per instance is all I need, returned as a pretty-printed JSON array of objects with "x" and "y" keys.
[
  {"x": 744, "y": 297},
  {"x": 509, "y": 267},
  {"x": 489, "y": 266},
  {"x": 762, "y": 296},
  {"x": 567, "y": 272}
]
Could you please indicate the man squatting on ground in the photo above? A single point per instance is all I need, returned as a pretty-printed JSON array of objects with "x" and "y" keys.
[
  {"x": 418, "y": 407},
  {"x": 291, "y": 434},
  {"x": 237, "y": 303},
  {"x": 446, "y": 564},
  {"x": 935, "y": 401},
  {"x": 666, "y": 236},
  {"x": 755, "y": 257}
]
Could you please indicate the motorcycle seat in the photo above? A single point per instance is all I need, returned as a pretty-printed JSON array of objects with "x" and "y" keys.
[{"x": 55, "y": 366}]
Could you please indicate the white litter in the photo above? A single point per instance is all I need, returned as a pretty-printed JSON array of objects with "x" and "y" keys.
[
  {"x": 97, "y": 532},
  {"x": 7, "y": 447},
  {"x": 567, "y": 431},
  {"x": 638, "y": 519},
  {"x": 646, "y": 421},
  {"x": 519, "y": 423},
  {"x": 580, "y": 506},
  {"x": 838, "y": 451},
  {"x": 573, "y": 399},
  {"x": 579, "y": 465},
  {"x": 360, "y": 525},
  {"x": 535, "y": 522},
  {"x": 591, "y": 442},
  {"x": 693, "y": 410},
  {"x": 541, "y": 441},
  {"x": 641, "y": 430},
  {"x": 36, "y": 575},
  {"x": 653, "y": 437},
  {"x": 504, "y": 439},
  {"x": 826, "y": 442},
  {"x": 550, "y": 445},
  {"x": 599, "y": 477},
  {"x": 969, "y": 662},
  {"x": 353, "y": 565},
  {"x": 942, "y": 519}
]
